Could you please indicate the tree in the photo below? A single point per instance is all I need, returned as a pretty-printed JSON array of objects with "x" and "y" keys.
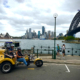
[
  {"x": 61, "y": 38},
  {"x": 69, "y": 38}
]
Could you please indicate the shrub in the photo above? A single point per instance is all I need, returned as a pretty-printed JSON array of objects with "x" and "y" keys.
[{"x": 69, "y": 38}]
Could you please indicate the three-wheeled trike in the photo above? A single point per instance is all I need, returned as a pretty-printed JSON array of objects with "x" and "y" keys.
[{"x": 7, "y": 64}]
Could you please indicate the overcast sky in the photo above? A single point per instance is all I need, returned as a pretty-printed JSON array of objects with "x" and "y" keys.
[{"x": 16, "y": 16}]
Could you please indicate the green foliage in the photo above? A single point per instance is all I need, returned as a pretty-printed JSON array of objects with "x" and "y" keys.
[
  {"x": 61, "y": 38},
  {"x": 69, "y": 38}
]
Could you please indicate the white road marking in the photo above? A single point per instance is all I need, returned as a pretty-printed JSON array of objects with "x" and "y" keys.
[
  {"x": 67, "y": 68},
  {"x": 52, "y": 64}
]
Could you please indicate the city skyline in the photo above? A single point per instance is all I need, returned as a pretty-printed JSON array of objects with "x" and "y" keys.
[{"x": 44, "y": 34}]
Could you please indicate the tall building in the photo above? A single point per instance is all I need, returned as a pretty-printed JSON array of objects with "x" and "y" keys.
[
  {"x": 27, "y": 34},
  {"x": 34, "y": 34},
  {"x": 29, "y": 30},
  {"x": 52, "y": 34},
  {"x": 49, "y": 32},
  {"x": 38, "y": 34},
  {"x": 45, "y": 35},
  {"x": 43, "y": 30},
  {"x": 30, "y": 33}
]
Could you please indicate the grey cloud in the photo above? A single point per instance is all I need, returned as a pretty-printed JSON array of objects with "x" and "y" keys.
[
  {"x": 49, "y": 20},
  {"x": 20, "y": 21},
  {"x": 34, "y": 11},
  {"x": 37, "y": 19},
  {"x": 1, "y": 1},
  {"x": 38, "y": 26},
  {"x": 2, "y": 9},
  {"x": 65, "y": 19},
  {"x": 20, "y": 1},
  {"x": 31, "y": 13},
  {"x": 19, "y": 29},
  {"x": 14, "y": 20},
  {"x": 23, "y": 1},
  {"x": 3, "y": 16},
  {"x": 64, "y": 27},
  {"x": 22, "y": 27},
  {"x": 2, "y": 28},
  {"x": 39, "y": 15},
  {"x": 29, "y": 5},
  {"x": 0, "y": 23},
  {"x": 71, "y": 5}
]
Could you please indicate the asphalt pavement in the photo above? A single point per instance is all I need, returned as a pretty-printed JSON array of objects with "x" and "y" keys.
[{"x": 49, "y": 71}]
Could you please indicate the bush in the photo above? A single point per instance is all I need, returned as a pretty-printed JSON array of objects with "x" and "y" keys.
[
  {"x": 61, "y": 38},
  {"x": 69, "y": 38}
]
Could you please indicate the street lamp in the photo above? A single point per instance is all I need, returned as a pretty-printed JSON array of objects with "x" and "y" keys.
[{"x": 55, "y": 16}]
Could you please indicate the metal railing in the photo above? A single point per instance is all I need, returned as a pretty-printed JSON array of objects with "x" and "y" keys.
[
  {"x": 44, "y": 50},
  {"x": 68, "y": 51}
]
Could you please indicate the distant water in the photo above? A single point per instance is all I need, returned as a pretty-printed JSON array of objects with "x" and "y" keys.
[{"x": 29, "y": 43}]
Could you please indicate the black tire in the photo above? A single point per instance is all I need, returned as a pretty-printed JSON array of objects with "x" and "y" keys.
[
  {"x": 6, "y": 67},
  {"x": 39, "y": 63}
]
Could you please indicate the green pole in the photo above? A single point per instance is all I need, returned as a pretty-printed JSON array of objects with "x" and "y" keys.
[
  {"x": 52, "y": 55},
  {"x": 55, "y": 39},
  {"x": 37, "y": 53},
  {"x": 33, "y": 49}
]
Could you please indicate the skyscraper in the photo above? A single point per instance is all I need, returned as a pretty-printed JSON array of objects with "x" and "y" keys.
[
  {"x": 52, "y": 34},
  {"x": 30, "y": 33},
  {"x": 34, "y": 34},
  {"x": 38, "y": 34},
  {"x": 49, "y": 32},
  {"x": 27, "y": 34},
  {"x": 29, "y": 30},
  {"x": 43, "y": 30}
]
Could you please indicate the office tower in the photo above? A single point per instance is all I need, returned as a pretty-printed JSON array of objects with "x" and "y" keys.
[
  {"x": 45, "y": 35},
  {"x": 49, "y": 34},
  {"x": 52, "y": 34},
  {"x": 38, "y": 34},
  {"x": 29, "y": 30},
  {"x": 43, "y": 30},
  {"x": 27, "y": 34},
  {"x": 34, "y": 34},
  {"x": 30, "y": 33}
]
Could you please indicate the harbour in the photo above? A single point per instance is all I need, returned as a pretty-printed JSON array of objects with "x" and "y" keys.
[{"x": 27, "y": 44}]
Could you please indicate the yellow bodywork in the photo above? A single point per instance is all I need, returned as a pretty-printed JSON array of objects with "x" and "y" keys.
[
  {"x": 3, "y": 59},
  {"x": 37, "y": 59},
  {"x": 2, "y": 54},
  {"x": 26, "y": 58}
]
